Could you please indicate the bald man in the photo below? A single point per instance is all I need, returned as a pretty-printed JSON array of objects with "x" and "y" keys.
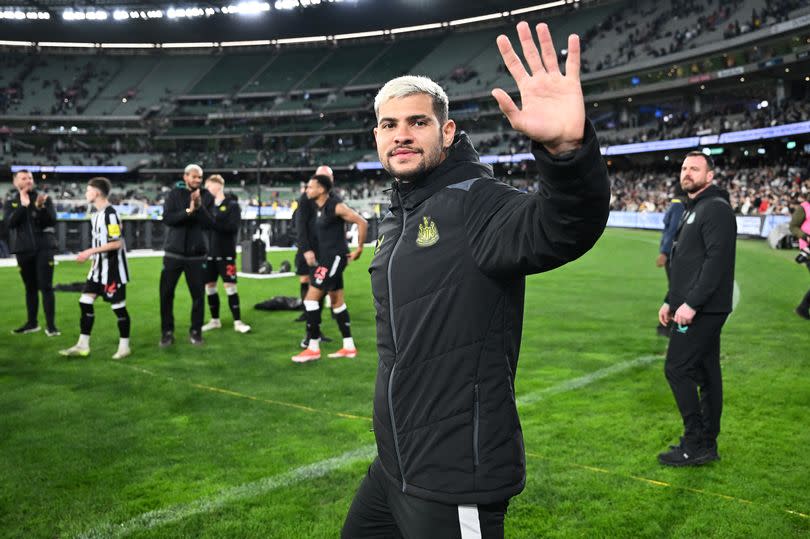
[{"x": 305, "y": 219}]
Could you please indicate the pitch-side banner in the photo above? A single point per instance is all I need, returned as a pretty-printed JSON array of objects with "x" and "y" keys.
[{"x": 747, "y": 225}]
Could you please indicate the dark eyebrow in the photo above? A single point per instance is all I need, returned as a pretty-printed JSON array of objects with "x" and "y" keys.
[{"x": 409, "y": 118}]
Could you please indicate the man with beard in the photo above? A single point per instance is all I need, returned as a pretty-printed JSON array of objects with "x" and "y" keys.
[
  {"x": 699, "y": 302},
  {"x": 448, "y": 281},
  {"x": 185, "y": 214},
  {"x": 30, "y": 219}
]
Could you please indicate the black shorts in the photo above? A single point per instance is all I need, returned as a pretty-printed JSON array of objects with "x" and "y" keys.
[
  {"x": 219, "y": 267},
  {"x": 328, "y": 274},
  {"x": 111, "y": 292},
  {"x": 301, "y": 267}
]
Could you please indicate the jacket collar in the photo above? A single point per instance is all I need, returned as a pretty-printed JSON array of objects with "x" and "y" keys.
[
  {"x": 462, "y": 163},
  {"x": 713, "y": 191}
]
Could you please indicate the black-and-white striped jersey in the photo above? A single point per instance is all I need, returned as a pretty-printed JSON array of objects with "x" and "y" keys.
[{"x": 110, "y": 266}]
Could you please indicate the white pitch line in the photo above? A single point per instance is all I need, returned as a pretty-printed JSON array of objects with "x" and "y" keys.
[
  {"x": 208, "y": 504},
  {"x": 582, "y": 381},
  {"x": 178, "y": 512}
]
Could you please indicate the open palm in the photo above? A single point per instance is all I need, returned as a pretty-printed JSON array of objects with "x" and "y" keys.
[{"x": 553, "y": 108}]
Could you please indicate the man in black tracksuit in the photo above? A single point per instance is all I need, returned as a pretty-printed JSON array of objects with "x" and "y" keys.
[
  {"x": 448, "y": 280},
  {"x": 185, "y": 215},
  {"x": 699, "y": 302},
  {"x": 31, "y": 219}
]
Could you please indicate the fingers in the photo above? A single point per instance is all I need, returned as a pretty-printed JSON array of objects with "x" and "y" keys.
[
  {"x": 529, "y": 48},
  {"x": 572, "y": 63},
  {"x": 506, "y": 104},
  {"x": 511, "y": 60},
  {"x": 547, "y": 48}
]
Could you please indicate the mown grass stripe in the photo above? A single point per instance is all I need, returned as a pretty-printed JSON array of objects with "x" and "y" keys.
[
  {"x": 237, "y": 394},
  {"x": 664, "y": 484},
  {"x": 160, "y": 517}
]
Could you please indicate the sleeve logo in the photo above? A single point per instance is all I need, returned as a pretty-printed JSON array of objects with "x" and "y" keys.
[{"x": 113, "y": 230}]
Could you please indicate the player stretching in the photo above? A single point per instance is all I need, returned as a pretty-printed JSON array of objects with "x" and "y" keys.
[
  {"x": 327, "y": 275},
  {"x": 109, "y": 274},
  {"x": 221, "y": 262}
]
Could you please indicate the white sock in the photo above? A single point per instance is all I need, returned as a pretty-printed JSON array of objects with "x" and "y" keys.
[
  {"x": 215, "y": 320},
  {"x": 315, "y": 345},
  {"x": 84, "y": 341},
  {"x": 348, "y": 343},
  {"x": 123, "y": 343}
]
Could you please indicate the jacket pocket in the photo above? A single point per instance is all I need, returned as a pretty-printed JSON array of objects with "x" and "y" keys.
[{"x": 475, "y": 425}]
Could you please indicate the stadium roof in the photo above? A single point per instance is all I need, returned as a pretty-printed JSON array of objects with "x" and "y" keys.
[{"x": 202, "y": 20}]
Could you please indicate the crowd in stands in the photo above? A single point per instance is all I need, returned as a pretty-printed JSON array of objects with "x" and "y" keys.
[
  {"x": 648, "y": 33},
  {"x": 720, "y": 119},
  {"x": 768, "y": 189}
]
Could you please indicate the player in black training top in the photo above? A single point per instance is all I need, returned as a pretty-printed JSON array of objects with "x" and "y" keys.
[
  {"x": 307, "y": 242},
  {"x": 109, "y": 274},
  {"x": 327, "y": 275},
  {"x": 221, "y": 261}
]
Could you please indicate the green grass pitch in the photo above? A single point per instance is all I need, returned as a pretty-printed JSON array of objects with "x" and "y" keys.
[{"x": 234, "y": 440}]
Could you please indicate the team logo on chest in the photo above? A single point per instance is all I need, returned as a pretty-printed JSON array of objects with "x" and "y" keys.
[
  {"x": 428, "y": 233},
  {"x": 378, "y": 246}
]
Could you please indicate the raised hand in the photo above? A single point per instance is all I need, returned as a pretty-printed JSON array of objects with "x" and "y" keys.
[
  {"x": 553, "y": 108},
  {"x": 41, "y": 201}
]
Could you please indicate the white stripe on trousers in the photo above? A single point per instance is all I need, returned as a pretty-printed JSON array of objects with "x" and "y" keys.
[{"x": 468, "y": 521}]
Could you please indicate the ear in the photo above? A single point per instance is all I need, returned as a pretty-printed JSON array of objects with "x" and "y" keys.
[
  {"x": 448, "y": 133},
  {"x": 710, "y": 175}
]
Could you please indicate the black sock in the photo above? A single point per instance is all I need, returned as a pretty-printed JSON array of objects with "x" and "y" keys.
[
  {"x": 344, "y": 323},
  {"x": 86, "y": 319},
  {"x": 213, "y": 304},
  {"x": 304, "y": 288},
  {"x": 124, "y": 322},
  {"x": 233, "y": 303},
  {"x": 313, "y": 324}
]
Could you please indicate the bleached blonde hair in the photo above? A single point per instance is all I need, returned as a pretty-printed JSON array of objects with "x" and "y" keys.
[
  {"x": 189, "y": 168},
  {"x": 412, "y": 85}
]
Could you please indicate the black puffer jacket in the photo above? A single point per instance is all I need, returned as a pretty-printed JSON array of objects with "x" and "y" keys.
[
  {"x": 448, "y": 280},
  {"x": 185, "y": 234},
  {"x": 702, "y": 262},
  {"x": 30, "y": 229}
]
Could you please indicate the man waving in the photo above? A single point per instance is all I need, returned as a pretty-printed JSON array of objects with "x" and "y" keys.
[{"x": 448, "y": 279}]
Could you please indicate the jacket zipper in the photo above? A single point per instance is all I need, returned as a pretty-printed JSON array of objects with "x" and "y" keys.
[
  {"x": 475, "y": 427},
  {"x": 396, "y": 349}
]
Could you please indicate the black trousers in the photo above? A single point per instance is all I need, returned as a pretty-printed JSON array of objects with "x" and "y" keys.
[
  {"x": 692, "y": 369},
  {"x": 172, "y": 269},
  {"x": 380, "y": 510},
  {"x": 36, "y": 269}
]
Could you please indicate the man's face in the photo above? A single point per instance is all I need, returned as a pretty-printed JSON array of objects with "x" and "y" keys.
[
  {"x": 193, "y": 179},
  {"x": 695, "y": 174},
  {"x": 214, "y": 188},
  {"x": 23, "y": 181},
  {"x": 91, "y": 194},
  {"x": 314, "y": 189},
  {"x": 410, "y": 140}
]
